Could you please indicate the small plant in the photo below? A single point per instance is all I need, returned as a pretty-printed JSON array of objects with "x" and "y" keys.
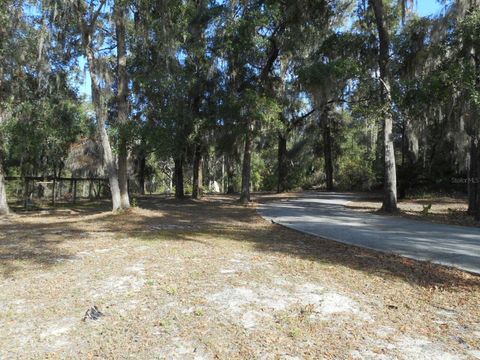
[
  {"x": 166, "y": 325},
  {"x": 134, "y": 202},
  {"x": 198, "y": 312},
  {"x": 455, "y": 212},
  {"x": 294, "y": 333},
  {"x": 307, "y": 310},
  {"x": 172, "y": 290},
  {"x": 426, "y": 209}
]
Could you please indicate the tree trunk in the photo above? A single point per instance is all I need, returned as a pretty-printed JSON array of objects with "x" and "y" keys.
[
  {"x": 327, "y": 150},
  {"x": 403, "y": 176},
  {"x": 101, "y": 115},
  {"x": 230, "y": 176},
  {"x": 476, "y": 181},
  {"x": 179, "y": 191},
  {"x": 197, "y": 189},
  {"x": 4, "y": 210},
  {"x": 90, "y": 189},
  {"x": 142, "y": 163},
  {"x": 223, "y": 175},
  {"x": 473, "y": 174},
  {"x": 123, "y": 171},
  {"x": 246, "y": 167},
  {"x": 390, "y": 181},
  {"x": 472, "y": 183},
  {"x": 70, "y": 186},
  {"x": 107, "y": 150},
  {"x": 390, "y": 196},
  {"x": 122, "y": 102},
  {"x": 282, "y": 163}
]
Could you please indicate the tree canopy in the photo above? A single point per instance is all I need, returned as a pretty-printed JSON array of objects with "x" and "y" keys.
[{"x": 240, "y": 96}]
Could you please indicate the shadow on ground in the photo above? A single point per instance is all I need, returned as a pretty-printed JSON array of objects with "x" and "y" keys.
[{"x": 39, "y": 239}]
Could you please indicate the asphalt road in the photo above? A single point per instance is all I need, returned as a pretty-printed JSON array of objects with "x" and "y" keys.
[{"x": 324, "y": 215}]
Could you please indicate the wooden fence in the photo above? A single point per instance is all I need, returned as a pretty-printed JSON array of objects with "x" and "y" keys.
[{"x": 53, "y": 181}]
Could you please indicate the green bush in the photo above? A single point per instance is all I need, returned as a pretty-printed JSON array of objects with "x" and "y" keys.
[{"x": 355, "y": 174}]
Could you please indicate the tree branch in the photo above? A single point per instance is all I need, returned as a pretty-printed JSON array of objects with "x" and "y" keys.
[
  {"x": 274, "y": 52},
  {"x": 299, "y": 119},
  {"x": 96, "y": 14}
]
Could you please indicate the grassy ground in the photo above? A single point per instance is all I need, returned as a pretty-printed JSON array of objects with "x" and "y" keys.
[
  {"x": 439, "y": 209},
  {"x": 211, "y": 279}
]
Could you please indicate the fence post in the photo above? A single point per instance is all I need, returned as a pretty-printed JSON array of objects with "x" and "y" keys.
[
  {"x": 74, "y": 191},
  {"x": 25, "y": 195},
  {"x": 53, "y": 191}
]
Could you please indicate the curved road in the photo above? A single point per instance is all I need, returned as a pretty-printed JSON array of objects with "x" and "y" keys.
[{"x": 324, "y": 215}]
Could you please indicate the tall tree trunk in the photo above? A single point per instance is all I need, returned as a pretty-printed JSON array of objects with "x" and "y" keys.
[
  {"x": 246, "y": 167},
  {"x": 474, "y": 123},
  {"x": 327, "y": 149},
  {"x": 473, "y": 174},
  {"x": 282, "y": 163},
  {"x": 477, "y": 212},
  {"x": 142, "y": 164},
  {"x": 90, "y": 189},
  {"x": 101, "y": 115},
  {"x": 122, "y": 102},
  {"x": 99, "y": 107},
  {"x": 123, "y": 171},
  {"x": 179, "y": 190},
  {"x": 390, "y": 180},
  {"x": 402, "y": 186},
  {"x": 206, "y": 174},
  {"x": 197, "y": 189},
  {"x": 223, "y": 175},
  {"x": 4, "y": 210},
  {"x": 70, "y": 186},
  {"x": 230, "y": 175}
]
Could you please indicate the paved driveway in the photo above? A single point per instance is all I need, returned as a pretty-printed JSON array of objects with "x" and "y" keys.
[{"x": 324, "y": 214}]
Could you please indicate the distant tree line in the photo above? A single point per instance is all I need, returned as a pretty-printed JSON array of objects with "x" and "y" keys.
[{"x": 250, "y": 95}]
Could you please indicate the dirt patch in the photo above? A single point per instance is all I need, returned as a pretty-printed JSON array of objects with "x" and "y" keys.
[
  {"x": 210, "y": 279},
  {"x": 257, "y": 302}
]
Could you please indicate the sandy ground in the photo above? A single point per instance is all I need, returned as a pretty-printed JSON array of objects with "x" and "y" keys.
[{"x": 211, "y": 279}]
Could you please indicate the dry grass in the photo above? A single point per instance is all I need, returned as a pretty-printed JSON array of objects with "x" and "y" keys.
[
  {"x": 444, "y": 210},
  {"x": 211, "y": 279}
]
